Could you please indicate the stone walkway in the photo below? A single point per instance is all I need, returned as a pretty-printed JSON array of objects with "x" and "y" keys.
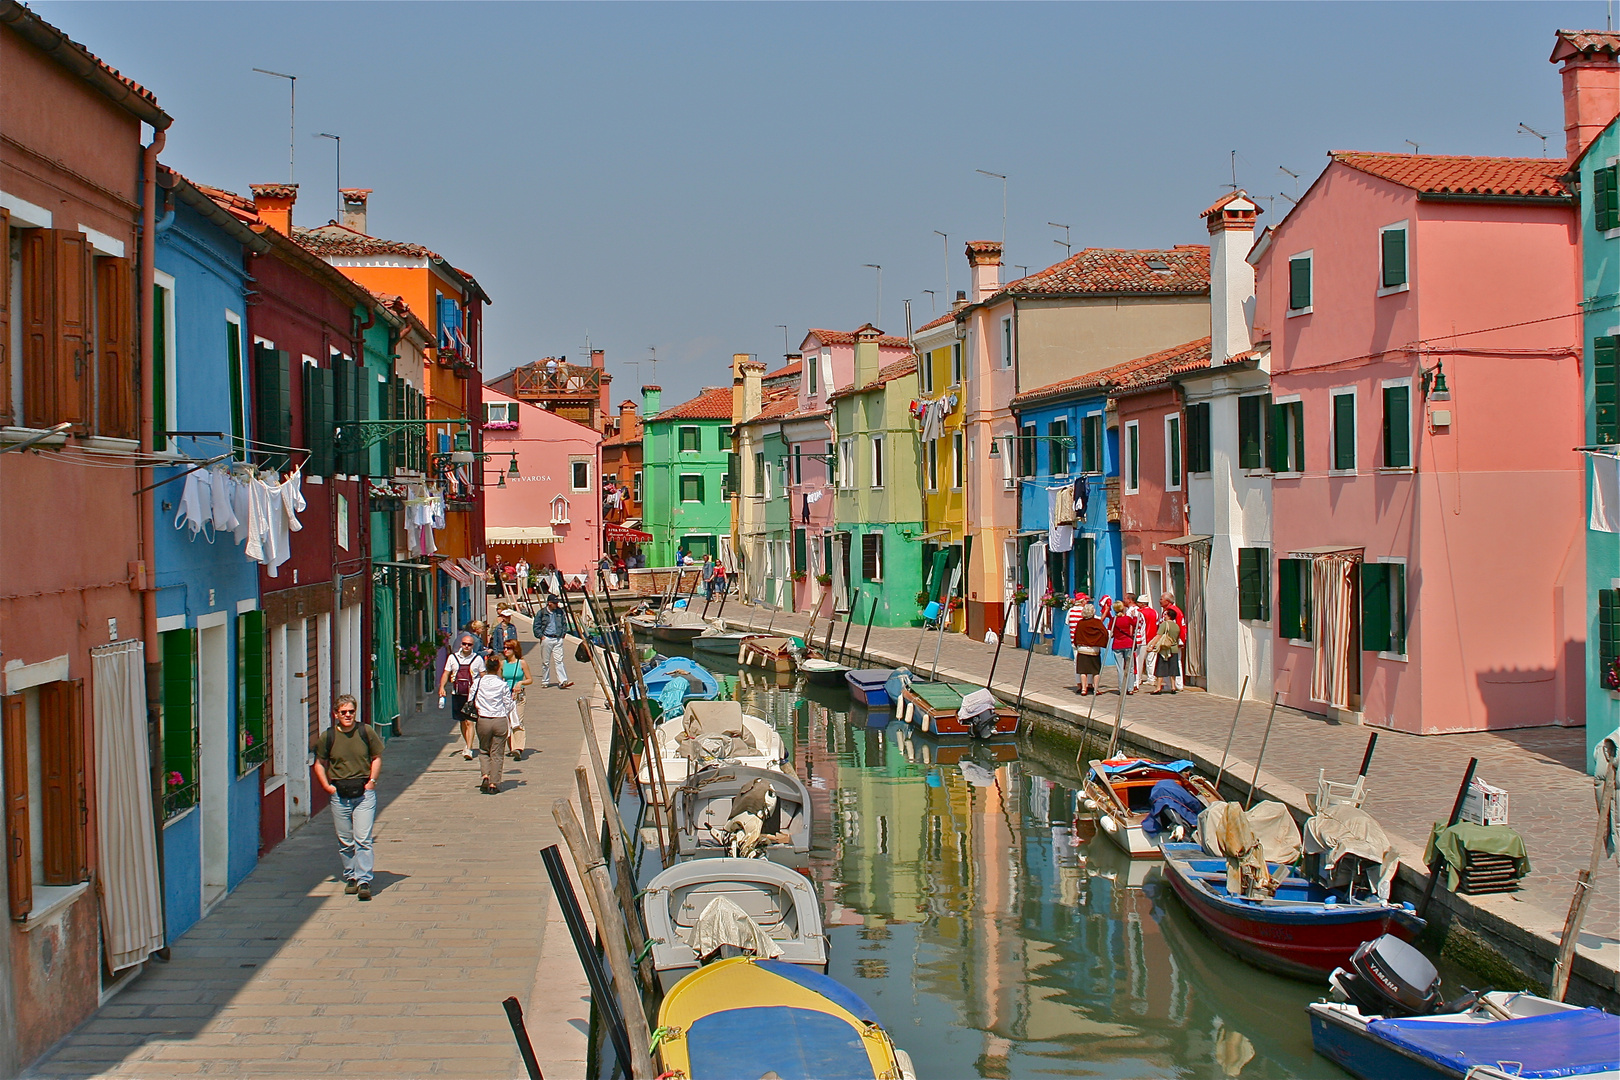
[{"x": 289, "y": 977}]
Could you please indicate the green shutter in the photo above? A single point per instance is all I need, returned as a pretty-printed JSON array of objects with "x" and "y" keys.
[
  {"x": 1601, "y": 181},
  {"x": 1375, "y": 607},
  {"x": 179, "y": 736},
  {"x": 801, "y": 554},
  {"x": 1605, "y": 384},
  {"x": 1251, "y": 594},
  {"x": 160, "y": 376},
  {"x": 1173, "y": 452},
  {"x": 1276, "y": 438},
  {"x": 1394, "y": 253},
  {"x": 1251, "y": 432},
  {"x": 1608, "y": 628},
  {"x": 1200, "y": 449},
  {"x": 250, "y": 691},
  {"x": 1397, "y": 427},
  {"x": 1085, "y": 556},
  {"x": 1298, "y": 410},
  {"x": 1299, "y": 284},
  {"x": 1289, "y": 602},
  {"x": 1606, "y": 199},
  {"x": 233, "y": 357},
  {"x": 1344, "y": 432}
]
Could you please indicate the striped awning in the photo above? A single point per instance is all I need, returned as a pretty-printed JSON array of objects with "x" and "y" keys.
[
  {"x": 520, "y": 534},
  {"x": 454, "y": 569}
]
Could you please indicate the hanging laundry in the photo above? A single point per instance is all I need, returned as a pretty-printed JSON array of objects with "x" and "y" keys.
[
  {"x": 1061, "y": 538},
  {"x": 1034, "y": 609},
  {"x": 1082, "y": 495},
  {"x": 1605, "y": 493},
  {"x": 223, "y": 512},
  {"x": 255, "y": 519},
  {"x": 1063, "y": 510},
  {"x": 196, "y": 503}
]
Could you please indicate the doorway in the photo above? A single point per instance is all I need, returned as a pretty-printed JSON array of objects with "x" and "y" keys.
[
  {"x": 214, "y": 757},
  {"x": 1155, "y": 586}
]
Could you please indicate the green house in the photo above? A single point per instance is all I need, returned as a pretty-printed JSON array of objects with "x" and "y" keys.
[{"x": 686, "y": 454}]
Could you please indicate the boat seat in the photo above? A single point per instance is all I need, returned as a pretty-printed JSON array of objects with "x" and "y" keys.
[
  {"x": 715, "y": 717},
  {"x": 762, "y": 904}
]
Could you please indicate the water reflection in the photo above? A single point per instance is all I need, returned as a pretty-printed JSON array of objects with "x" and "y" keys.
[{"x": 995, "y": 935}]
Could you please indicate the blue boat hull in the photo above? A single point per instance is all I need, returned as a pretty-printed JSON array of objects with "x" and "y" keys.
[
  {"x": 1365, "y": 1057},
  {"x": 868, "y": 688},
  {"x": 704, "y": 686}
]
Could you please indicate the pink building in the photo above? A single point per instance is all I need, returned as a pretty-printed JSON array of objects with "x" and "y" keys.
[
  {"x": 551, "y": 512},
  {"x": 1426, "y": 553}
]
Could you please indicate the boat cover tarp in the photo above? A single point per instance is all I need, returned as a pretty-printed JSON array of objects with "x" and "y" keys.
[
  {"x": 1263, "y": 834},
  {"x": 938, "y": 695},
  {"x": 672, "y": 698},
  {"x": 722, "y": 923},
  {"x": 1170, "y": 802},
  {"x": 1574, "y": 1043},
  {"x": 896, "y": 683},
  {"x": 1455, "y": 841},
  {"x": 980, "y": 701},
  {"x": 794, "y": 1044},
  {"x": 870, "y": 679},
  {"x": 827, "y": 987},
  {"x": 1113, "y": 768},
  {"x": 1342, "y": 830}
]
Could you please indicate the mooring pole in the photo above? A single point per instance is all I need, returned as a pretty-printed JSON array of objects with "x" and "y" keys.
[
  {"x": 1230, "y": 735},
  {"x": 1439, "y": 860}
]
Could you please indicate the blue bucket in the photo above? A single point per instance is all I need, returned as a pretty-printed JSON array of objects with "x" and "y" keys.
[{"x": 931, "y": 611}]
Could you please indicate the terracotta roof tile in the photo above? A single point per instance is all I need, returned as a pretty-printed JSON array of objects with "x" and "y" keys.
[
  {"x": 847, "y": 337},
  {"x": 340, "y": 241},
  {"x": 1138, "y": 374},
  {"x": 1440, "y": 174},
  {"x": 1589, "y": 42},
  {"x": 1180, "y": 270},
  {"x": 119, "y": 88},
  {"x": 886, "y": 374},
  {"x": 949, "y": 316},
  {"x": 786, "y": 371},
  {"x": 712, "y": 403}
]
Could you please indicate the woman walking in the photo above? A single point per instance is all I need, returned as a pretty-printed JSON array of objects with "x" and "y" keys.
[
  {"x": 1125, "y": 636},
  {"x": 493, "y": 700},
  {"x": 1089, "y": 636},
  {"x": 515, "y": 670}
]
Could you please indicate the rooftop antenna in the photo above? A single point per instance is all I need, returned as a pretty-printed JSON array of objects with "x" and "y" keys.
[
  {"x": 786, "y": 348},
  {"x": 933, "y": 301},
  {"x": 1412, "y": 144},
  {"x": 945, "y": 242},
  {"x": 1527, "y": 129},
  {"x": 1067, "y": 250},
  {"x": 879, "y": 269},
  {"x": 339, "y": 140},
  {"x": 1025, "y": 270},
  {"x": 1295, "y": 198},
  {"x": 1002, "y": 177},
  {"x": 1234, "y": 170},
  {"x": 654, "y": 362},
  {"x": 292, "y": 113}
]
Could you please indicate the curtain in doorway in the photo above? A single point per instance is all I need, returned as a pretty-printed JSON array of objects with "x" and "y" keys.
[
  {"x": 1194, "y": 608},
  {"x": 1331, "y": 580},
  {"x": 131, "y": 908},
  {"x": 1035, "y": 610},
  {"x": 385, "y": 702}
]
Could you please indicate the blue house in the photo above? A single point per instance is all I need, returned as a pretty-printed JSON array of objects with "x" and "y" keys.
[
  {"x": 211, "y": 628},
  {"x": 1063, "y": 436}
]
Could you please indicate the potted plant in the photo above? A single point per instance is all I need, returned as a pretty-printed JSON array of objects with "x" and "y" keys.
[
  {"x": 954, "y": 604},
  {"x": 824, "y": 579},
  {"x": 798, "y": 575},
  {"x": 1020, "y": 595},
  {"x": 922, "y": 598}
]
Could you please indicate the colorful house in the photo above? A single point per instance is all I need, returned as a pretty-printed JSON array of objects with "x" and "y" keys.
[
  {"x": 686, "y": 453},
  {"x": 764, "y": 520},
  {"x": 546, "y": 505},
  {"x": 622, "y": 534},
  {"x": 1591, "y": 91},
  {"x": 941, "y": 387},
  {"x": 878, "y": 505},
  {"x": 1397, "y": 365}
]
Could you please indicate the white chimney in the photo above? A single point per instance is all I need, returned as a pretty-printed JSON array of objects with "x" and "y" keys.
[
  {"x": 984, "y": 256},
  {"x": 354, "y": 208},
  {"x": 1231, "y": 278}
]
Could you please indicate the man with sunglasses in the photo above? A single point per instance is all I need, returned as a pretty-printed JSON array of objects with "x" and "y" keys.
[{"x": 348, "y": 759}]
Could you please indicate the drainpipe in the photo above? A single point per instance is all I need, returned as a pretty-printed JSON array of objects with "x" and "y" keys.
[{"x": 144, "y": 575}]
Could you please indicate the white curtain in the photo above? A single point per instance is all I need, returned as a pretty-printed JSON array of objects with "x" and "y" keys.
[
  {"x": 1192, "y": 606},
  {"x": 1331, "y": 579},
  {"x": 1034, "y": 609},
  {"x": 131, "y": 908}
]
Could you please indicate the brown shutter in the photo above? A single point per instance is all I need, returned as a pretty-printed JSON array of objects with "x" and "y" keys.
[
  {"x": 19, "y": 859},
  {"x": 61, "y": 766},
  {"x": 38, "y": 321},
  {"x": 115, "y": 348},
  {"x": 75, "y": 290},
  {"x": 5, "y": 317}
]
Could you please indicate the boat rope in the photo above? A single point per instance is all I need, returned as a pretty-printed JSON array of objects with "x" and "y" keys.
[
  {"x": 642, "y": 954},
  {"x": 660, "y": 1035}
]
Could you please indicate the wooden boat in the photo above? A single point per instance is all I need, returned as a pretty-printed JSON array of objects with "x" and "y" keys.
[
  {"x": 728, "y": 645},
  {"x": 823, "y": 672},
  {"x": 745, "y": 1017},
  {"x": 702, "y": 807},
  {"x": 921, "y": 751},
  {"x": 781, "y": 902},
  {"x": 702, "y": 685},
  {"x": 767, "y": 653},
  {"x": 1120, "y": 791},
  {"x": 932, "y": 708},
  {"x": 867, "y": 686},
  {"x": 713, "y": 718},
  {"x": 1304, "y": 930}
]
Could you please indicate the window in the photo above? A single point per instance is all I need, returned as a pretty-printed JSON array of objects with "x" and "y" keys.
[
  {"x": 932, "y": 460},
  {"x": 1172, "y": 453},
  {"x": 1294, "y": 599},
  {"x": 1285, "y": 437},
  {"x": 179, "y": 736},
  {"x": 1392, "y": 273},
  {"x": 1133, "y": 575},
  {"x": 1608, "y": 613},
  {"x": 1299, "y": 284},
  {"x": 579, "y": 474},
  {"x": 877, "y": 461},
  {"x": 798, "y": 466},
  {"x": 45, "y": 792},
  {"x": 958, "y": 462},
  {"x": 725, "y": 438},
  {"x": 825, "y": 363},
  {"x": 1026, "y": 450},
  {"x": 759, "y": 474},
  {"x": 1084, "y": 561},
  {"x": 1605, "y": 383},
  {"x": 691, "y": 440},
  {"x": 691, "y": 487},
  {"x": 1006, "y": 343},
  {"x": 1344, "y": 430},
  {"x": 165, "y": 406},
  {"x": 812, "y": 371},
  {"x": 1605, "y": 198},
  {"x": 770, "y": 479},
  {"x": 501, "y": 412},
  {"x": 1057, "y": 447},
  {"x": 1253, "y": 413},
  {"x": 831, "y": 464},
  {"x": 238, "y": 379},
  {"x": 1383, "y": 607},
  {"x": 1398, "y": 425},
  {"x": 1200, "y": 451},
  {"x": 1091, "y": 443},
  {"x": 846, "y": 462},
  {"x": 1133, "y": 456},
  {"x": 783, "y": 476},
  {"x": 872, "y": 556},
  {"x": 956, "y": 364},
  {"x": 320, "y": 405},
  {"x": 636, "y": 487},
  {"x": 1254, "y": 584}
]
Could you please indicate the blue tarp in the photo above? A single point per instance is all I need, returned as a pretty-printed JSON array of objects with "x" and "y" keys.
[
  {"x": 1169, "y": 797},
  {"x": 794, "y": 1044},
  {"x": 1137, "y": 763},
  {"x": 1574, "y": 1043},
  {"x": 827, "y": 987}
]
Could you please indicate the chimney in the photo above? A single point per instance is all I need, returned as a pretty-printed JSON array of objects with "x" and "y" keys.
[
  {"x": 747, "y": 394},
  {"x": 604, "y": 397},
  {"x": 960, "y": 302},
  {"x": 354, "y": 208},
  {"x": 868, "y": 361},
  {"x": 984, "y": 256},
  {"x": 627, "y": 417},
  {"x": 650, "y": 396},
  {"x": 275, "y": 205},
  {"x": 1591, "y": 85},
  {"x": 1231, "y": 278}
]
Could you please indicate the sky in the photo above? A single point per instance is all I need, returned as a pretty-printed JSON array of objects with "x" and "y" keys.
[{"x": 689, "y": 178}]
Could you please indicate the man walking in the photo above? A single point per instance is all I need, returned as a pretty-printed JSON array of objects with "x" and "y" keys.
[
  {"x": 348, "y": 759},
  {"x": 551, "y": 626},
  {"x": 460, "y": 669}
]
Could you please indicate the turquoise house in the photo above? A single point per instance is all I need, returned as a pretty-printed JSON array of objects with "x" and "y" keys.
[{"x": 686, "y": 456}]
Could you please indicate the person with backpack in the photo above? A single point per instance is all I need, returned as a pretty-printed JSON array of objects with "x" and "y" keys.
[
  {"x": 348, "y": 759},
  {"x": 461, "y": 668}
]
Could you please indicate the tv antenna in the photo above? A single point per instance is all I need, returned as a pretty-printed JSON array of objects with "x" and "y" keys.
[
  {"x": 786, "y": 348},
  {"x": 945, "y": 242},
  {"x": 933, "y": 300},
  {"x": 292, "y": 113},
  {"x": 653, "y": 360},
  {"x": 1067, "y": 250},
  {"x": 1294, "y": 198},
  {"x": 1412, "y": 144},
  {"x": 1234, "y": 184},
  {"x": 1526, "y": 129}
]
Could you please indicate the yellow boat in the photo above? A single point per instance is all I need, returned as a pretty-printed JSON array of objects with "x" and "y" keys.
[{"x": 744, "y": 1018}]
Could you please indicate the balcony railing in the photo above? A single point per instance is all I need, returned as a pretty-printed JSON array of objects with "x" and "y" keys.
[{"x": 539, "y": 380}]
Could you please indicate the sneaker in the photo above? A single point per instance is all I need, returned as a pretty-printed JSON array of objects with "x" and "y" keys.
[
  {"x": 564, "y": 686},
  {"x": 365, "y": 891},
  {"x": 350, "y": 887},
  {"x": 466, "y": 755}
]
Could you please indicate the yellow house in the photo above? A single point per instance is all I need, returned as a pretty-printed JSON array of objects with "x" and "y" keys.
[{"x": 942, "y": 453}]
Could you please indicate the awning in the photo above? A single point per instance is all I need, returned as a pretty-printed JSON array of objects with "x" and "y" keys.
[
  {"x": 520, "y": 534},
  {"x": 451, "y": 567},
  {"x": 401, "y": 565},
  {"x": 626, "y": 534},
  {"x": 632, "y": 523},
  {"x": 1327, "y": 549},
  {"x": 1188, "y": 540}
]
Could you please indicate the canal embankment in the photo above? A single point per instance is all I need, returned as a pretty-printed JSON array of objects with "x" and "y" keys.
[{"x": 1411, "y": 783}]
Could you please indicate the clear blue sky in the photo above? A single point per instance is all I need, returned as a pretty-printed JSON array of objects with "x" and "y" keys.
[{"x": 690, "y": 176}]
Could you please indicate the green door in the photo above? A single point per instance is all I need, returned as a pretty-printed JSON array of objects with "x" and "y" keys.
[{"x": 385, "y": 699}]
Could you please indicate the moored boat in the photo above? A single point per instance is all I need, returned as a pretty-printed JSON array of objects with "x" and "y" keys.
[
  {"x": 745, "y": 1017},
  {"x": 869, "y": 687},
  {"x": 1121, "y": 791},
  {"x": 822, "y": 672},
  {"x": 729, "y": 810},
  {"x": 711, "y": 733},
  {"x": 701, "y": 685},
  {"x": 767, "y": 653},
  {"x": 935, "y": 708},
  {"x": 727, "y": 645},
  {"x": 687, "y": 928}
]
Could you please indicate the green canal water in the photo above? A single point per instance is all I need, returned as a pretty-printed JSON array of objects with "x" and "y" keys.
[{"x": 994, "y": 934}]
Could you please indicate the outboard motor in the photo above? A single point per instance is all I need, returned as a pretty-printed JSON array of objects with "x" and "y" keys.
[{"x": 1388, "y": 977}]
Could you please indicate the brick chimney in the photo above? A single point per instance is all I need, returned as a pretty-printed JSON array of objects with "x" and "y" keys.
[
  {"x": 1591, "y": 70},
  {"x": 868, "y": 361},
  {"x": 354, "y": 207},
  {"x": 984, "y": 256},
  {"x": 1231, "y": 278},
  {"x": 604, "y": 397},
  {"x": 275, "y": 205}
]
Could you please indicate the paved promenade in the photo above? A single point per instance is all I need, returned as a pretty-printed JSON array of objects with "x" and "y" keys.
[
  {"x": 289, "y": 977},
  {"x": 1412, "y": 782}
]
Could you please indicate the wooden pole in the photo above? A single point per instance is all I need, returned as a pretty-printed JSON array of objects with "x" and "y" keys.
[
  {"x": 1438, "y": 861},
  {"x": 1024, "y": 678},
  {"x": 584, "y": 787},
  {"x": 520, "y": 1032},
  {"x": 843, "y": 646},
  {"x": 1583, "y": 886},
  {"x": 610, "y": 927},
  {"x": 1119, "y": 724},
  {"x": 641, "y": 714},
  {"x": 1085, "y": 736},
  {"x": 1264, "y": 740},
  {"x": 1012, "y": 611},
  {"x": 1230, "y": 735},
  {"x": 624, "y": 883}
]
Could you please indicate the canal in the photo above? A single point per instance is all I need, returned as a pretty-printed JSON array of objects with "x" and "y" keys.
[{"x": 994, "y": 934}]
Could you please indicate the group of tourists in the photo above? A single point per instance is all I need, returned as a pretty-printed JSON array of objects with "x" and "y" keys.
[
  {"x": 1146, "y": 643},
  {"x": 715, "y": 580}
]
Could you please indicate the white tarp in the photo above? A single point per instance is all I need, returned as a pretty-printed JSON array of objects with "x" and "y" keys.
[
  {"x": 1263, "y": 834},
  {"x": 1348, "y": 830},
  {"x": 722, "y": 922},
  {"x": 131, "y": 908}
]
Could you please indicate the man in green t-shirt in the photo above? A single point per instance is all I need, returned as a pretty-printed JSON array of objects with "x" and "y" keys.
[{"x": 348, "y": 759}]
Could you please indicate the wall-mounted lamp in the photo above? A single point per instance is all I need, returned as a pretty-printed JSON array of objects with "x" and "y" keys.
[{"x": 1434, "y": 383}]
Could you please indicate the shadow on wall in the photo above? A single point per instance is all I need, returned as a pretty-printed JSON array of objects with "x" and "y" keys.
[{"x": 1519, "y": 697}]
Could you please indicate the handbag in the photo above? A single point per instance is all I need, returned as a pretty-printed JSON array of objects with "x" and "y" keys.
[{"x": 583, "y": 653}]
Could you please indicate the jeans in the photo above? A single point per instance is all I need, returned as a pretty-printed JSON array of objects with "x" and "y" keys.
[
  {"x": 551, "y": 659},
  {"x": 353, "y": 819}
]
